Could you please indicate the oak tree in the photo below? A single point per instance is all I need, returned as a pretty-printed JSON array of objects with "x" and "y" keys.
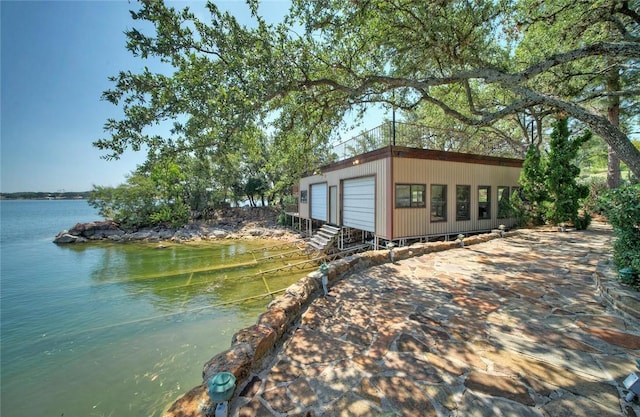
[{"x": 479, "y": 63}]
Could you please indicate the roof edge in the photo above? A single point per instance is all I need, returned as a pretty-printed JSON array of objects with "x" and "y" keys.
[{"x": 417, "y": 153}]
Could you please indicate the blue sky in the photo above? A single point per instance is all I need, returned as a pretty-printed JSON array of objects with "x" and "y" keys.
[{"x": 56, "y": 60}]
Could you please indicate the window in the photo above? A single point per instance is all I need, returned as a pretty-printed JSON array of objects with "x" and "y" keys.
[
  {"x": 463, "y": 202},
  {"x": 504, "y": 207},
  {"x": 303, "y": 196},
  {"x": 410, "y": 195},
  {"x": 484, "y": 202},
  {"x": 438, "y": 203}
]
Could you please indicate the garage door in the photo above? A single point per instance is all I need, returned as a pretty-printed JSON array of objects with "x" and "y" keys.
[
  {"x": 319, "y": 201},
  {"x": 358, "y": 203}
]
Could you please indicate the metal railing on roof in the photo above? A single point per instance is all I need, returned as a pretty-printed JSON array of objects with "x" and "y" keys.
[{"x": 402, "y": 134}]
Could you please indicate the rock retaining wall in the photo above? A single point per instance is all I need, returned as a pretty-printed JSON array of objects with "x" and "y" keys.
[
  {"x": 251, "y": 346},
  {"x": 621, "y": 298}
]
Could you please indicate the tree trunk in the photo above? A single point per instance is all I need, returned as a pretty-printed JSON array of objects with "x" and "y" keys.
[
  {"x": 613, "y": 169},
  {"x": 613, "y": 114}
]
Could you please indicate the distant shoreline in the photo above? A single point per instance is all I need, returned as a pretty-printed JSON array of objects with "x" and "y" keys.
[{"x": 29, "y": 195}]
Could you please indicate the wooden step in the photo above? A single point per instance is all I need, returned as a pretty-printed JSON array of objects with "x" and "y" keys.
[
  {"x": 328, "y": 232},
  {"x": 320, "y": 240},
  {"x": 325, "y": 234},
  {"x": 331, "y": 228},
  {"x": 324, "y": 238},
  {"x": 316, "y": 246}
]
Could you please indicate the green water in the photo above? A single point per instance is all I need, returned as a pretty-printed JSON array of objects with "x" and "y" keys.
[{"x": 110, "y": 329}]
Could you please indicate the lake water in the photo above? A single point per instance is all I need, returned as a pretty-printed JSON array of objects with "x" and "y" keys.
[{"x": 107, "y": 329}]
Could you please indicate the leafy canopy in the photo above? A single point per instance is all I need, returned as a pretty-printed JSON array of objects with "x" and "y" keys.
[{"x": 481, "y": 63}]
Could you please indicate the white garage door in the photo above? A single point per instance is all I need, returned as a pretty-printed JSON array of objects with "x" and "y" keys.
[
  {"x": 319, "y": 201},
  {"x": 358, "y": 203}
]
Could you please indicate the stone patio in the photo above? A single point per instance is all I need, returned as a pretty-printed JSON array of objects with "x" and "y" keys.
[{"x": 508, "y": 327}]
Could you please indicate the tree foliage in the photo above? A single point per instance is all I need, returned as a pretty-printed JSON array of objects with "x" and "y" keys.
[
  {"x": 549, "y": 191},
  {"x": 254, "y": 188},
  {"x": 532, "y": 196},
  {"x": 622, "y": 209},
  {"x": 271, "y": 97},
  {"x": 482, "y": 63},
  {"x": 131, "y": 204},
  {"x": 147, "y": 198},
  {"x": 561, "y": 174}
]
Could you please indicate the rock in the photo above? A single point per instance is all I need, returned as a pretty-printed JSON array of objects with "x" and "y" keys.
[
  {"x": 108, "y": 234},
  {"x": 142, "y": 235},
  {"x": 219, "y": 234},
  {"x": 303, "y": 289},
  {"x": 499, "y": 386},
  {"x": 63, "y": 237},
  {"x": 288, "y": 303},
  {"x": 82, "y": 232},
  {"x": 275, "y": 319},
  {"x": 237, "y": 360},
  {"x": 91, "y": 228},
  {"x": 182, "y": 234},
  {"x": 192, "y": 403},
  {"x": 165, "y": 234},
  {"x": 260, "y": 338}
]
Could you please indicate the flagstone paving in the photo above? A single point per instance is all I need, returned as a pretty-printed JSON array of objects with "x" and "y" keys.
[{"x": 509, "y": 327}]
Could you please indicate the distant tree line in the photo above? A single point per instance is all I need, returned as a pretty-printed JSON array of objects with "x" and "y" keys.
[{"x": 31, "y": 195}]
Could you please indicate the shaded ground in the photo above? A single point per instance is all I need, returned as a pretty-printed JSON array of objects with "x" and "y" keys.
[{"x": 510, "y": 327}]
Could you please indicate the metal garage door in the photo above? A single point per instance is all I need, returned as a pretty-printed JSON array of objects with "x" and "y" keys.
[
  {"x": 319, "y": 201},
  {"x": 358, "y": 203}
]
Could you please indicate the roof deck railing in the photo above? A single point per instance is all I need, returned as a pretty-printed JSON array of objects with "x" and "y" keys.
[{"x": 402, "y": 134}]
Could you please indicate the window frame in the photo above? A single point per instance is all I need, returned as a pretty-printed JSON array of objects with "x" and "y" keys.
[
  {"x": 414, "y": 191},
  {"x": 442, "y": 203},
  {"x": 467, "y": 202},
  {"x": 484, "y": 204}
]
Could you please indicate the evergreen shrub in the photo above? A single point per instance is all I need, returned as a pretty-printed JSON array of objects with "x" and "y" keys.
[
  {"x": 597, "y": 189},
  {"x": 622, "y": 209},
  {"x": 582, "y": 221}
]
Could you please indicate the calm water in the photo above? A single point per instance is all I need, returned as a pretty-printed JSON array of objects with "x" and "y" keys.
[{"x": 113, "y": 329}]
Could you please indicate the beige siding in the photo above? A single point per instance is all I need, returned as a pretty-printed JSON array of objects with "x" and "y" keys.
[
  {"x": 392, "y": 223},
  {"x": 379, "y": 168},
  {"x": 416, "y": 221}
]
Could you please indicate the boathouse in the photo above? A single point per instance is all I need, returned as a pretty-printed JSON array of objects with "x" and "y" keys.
[{"x": 402, "y": 194}]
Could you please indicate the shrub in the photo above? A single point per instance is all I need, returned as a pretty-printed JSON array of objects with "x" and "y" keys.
[
  {"x": 549, "y": 191},
  {"x": 561, "y": 174},
  {"x": 597, "y": 188},
  {"x": 528, "y": 203},
  {"x": 622, "y": 209},
  {"x": 131, "y": 204},
  {"x": 175, "y": 214},
  {"x": 582, "y": 221}
]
